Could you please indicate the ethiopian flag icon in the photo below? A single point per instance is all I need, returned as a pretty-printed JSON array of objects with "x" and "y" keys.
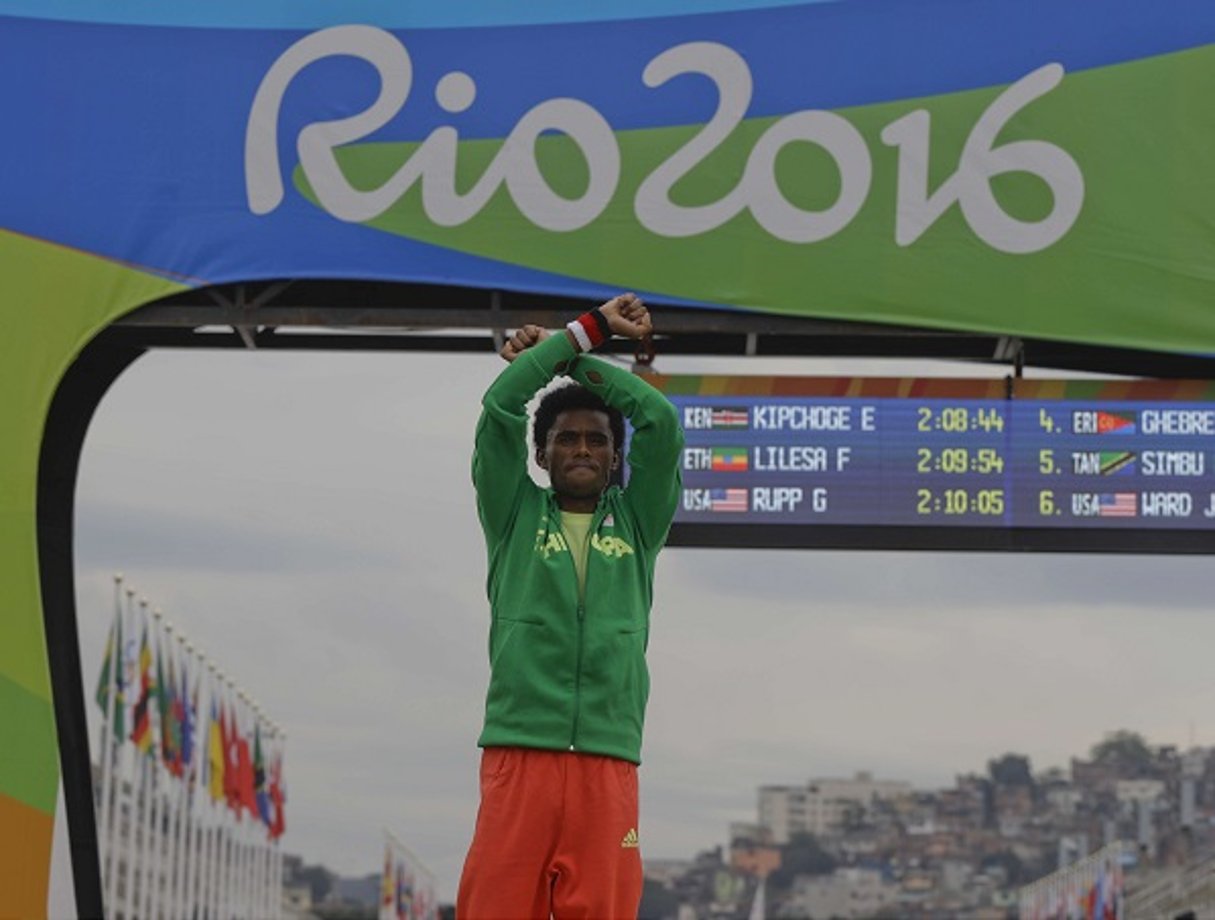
[{"x": 729, "y": 460}]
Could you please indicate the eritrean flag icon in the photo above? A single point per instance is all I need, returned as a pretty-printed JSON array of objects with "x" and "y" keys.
[
  {"x": 1115, "y": 423},
  {"x": 730, "y": 417},
  {"x": 729, "y": 460}
]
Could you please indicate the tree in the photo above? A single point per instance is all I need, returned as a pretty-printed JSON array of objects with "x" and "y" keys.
[
  {"x": 802, "y": 855},
  {"x": 1124, "y": 749},
  {"x": 1011, "y": 770}
]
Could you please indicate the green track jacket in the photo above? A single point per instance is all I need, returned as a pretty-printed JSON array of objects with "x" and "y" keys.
[{"x": 565, "y": 675}]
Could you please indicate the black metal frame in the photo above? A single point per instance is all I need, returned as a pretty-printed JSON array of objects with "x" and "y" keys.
[{"x": 271, "y": 314}]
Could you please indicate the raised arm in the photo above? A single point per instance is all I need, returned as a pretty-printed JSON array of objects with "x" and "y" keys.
[
  {"x": 499, "y": 467},
  {"x": 654, "y": 477}
]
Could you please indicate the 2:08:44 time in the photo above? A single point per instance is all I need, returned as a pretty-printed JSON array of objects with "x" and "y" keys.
[
  {"x": 957, "y": 419},
  {"x": 960, "y": 501}
]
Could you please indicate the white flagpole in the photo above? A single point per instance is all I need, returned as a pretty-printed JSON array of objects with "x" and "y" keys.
[
  {"x": 140, "y": 805},
  {"x": 217, "y": 810},
  {"x": 218, "y": 815},
  {"x": 228, "y": 844},
  {"x": 206, "y": 806},
  {"x": 122, "y": 832},
  {"x": 152, "y": 844},
  {"x": 246, "y": 861},
  {"x": 175, "y": 787},
  {"x": 165, "y": 851},
  {"x": 190, "y": 855},
  {"x": 181, "y": 833},
  {"x": 108, "y": 746},
  {"x": 276, "y": 892},
  {"x": 199, "y": 792}
]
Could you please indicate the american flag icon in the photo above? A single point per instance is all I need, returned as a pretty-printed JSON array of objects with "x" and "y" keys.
[
  {"x": 1116, "y": 504},
  {"x": 728, "y": 500}
]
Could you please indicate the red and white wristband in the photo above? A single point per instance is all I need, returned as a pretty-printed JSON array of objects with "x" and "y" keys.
[{"x": 590, "y": 330}]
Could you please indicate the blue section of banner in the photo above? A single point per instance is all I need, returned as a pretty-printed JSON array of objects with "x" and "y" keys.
[
  {"x": 129, "y": 142},
  {"x": 391, "y": 14}
]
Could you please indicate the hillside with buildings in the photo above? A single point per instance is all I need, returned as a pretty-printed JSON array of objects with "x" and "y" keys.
[{"x": 870, "y": 847}]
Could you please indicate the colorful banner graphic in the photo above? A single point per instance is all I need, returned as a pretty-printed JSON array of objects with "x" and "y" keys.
[{"x": 1039, "y": 168}]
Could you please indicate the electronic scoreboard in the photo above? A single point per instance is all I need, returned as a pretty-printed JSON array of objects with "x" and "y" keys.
[{"x": 928, "y": 463}]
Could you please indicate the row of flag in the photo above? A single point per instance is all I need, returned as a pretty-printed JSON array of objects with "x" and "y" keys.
[
  {"x": 191, "y": 798},
  {"x": 163, "y": 714},
  {"x": 1092, "y": 889},
  {"x": 407, "y": 888}
]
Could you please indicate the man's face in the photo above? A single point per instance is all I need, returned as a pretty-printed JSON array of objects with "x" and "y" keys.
[{"x": 579, "y": 454}]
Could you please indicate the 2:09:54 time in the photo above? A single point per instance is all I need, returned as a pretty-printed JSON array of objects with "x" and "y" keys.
[
  {"x": 960, "y": 501},
  {"x": 959, "y": 460}
]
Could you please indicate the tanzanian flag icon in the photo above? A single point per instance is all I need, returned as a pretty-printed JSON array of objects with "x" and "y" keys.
[
  {"x": 1115, "y": 423},
  {"x": 729, "y": 460},
  {"x": 1117, "y": 463}
]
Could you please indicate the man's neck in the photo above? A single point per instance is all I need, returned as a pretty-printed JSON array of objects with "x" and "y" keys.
[{"x": 577, "y": 505}]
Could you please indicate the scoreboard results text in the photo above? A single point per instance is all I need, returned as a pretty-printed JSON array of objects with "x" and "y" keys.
[{"x": 1024, "y": 455}]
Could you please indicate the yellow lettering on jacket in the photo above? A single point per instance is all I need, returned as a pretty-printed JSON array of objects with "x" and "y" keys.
[
  {"x": 555, "y": 543},
  {"x": 611, "y": 546}
]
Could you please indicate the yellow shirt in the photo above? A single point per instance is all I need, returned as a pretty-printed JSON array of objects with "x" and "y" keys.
[{"x": 576, "y": 528}]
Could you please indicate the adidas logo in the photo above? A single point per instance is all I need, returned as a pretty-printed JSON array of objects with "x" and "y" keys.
[{"x": 630, "y": 839}]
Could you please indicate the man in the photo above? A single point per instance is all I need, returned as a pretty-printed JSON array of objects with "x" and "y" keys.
[{"x": 570, "y": 584}]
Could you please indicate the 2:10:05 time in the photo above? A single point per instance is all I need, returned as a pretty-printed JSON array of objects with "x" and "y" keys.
[
  {"x": 960, "y": 501},
  {"x": 959, "y": 460}
]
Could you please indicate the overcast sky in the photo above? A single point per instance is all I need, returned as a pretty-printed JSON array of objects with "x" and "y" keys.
[{"x": 308, "y": 520}]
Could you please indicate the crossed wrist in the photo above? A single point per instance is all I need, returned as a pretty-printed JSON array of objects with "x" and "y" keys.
[{"x": 590, "y": 330}]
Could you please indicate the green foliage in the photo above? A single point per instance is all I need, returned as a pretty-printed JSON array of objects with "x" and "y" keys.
[
  {"x": 802, "y": 855},
  {"x": 1011, "y": 770},
  {"x": 1122, "y": 748},
  {"x": 657, "y": 903}
]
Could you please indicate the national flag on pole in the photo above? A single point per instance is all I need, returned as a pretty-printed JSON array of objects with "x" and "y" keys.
[
  {"x": 244, "y": 772},
  {"x": 403, "y": 892},
  {"x": 189, "y": 716},
  {"x": 170, "y": 733},
  {"x": 259, "y": 779},
  {"x": 728, "y": 500},
  {"x": 1116, "y": 504},
  {"x": 278, "y": 797},
  {"x": 215, "y": 754},
  {"x": 729, "y": 460},
  {"x": 227, "y": 727},
  {"x": 113, "y": 663},
  {"x": 729, "y": 417},
  {"x": 1115, "y": 422},
  {"x": 388, "y": 885},
  {"x": 141, "y": 729}
]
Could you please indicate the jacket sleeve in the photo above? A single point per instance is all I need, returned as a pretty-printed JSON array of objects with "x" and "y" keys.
[
  {"x": 654, "y": 454},
  {"x": 499, "y": 467}
]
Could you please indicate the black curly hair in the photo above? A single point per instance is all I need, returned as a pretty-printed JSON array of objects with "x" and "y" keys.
[{"x": 573, "y": 396}]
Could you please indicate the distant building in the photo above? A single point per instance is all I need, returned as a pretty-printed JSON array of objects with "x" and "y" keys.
[
  {"x": 846, "y": 893},
  {"x": 822, "y": 806}
]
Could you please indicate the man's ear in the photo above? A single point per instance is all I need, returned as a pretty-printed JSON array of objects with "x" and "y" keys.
[
  {"x": 615, "y": 460},
  {"x": 541, "y": 459}
]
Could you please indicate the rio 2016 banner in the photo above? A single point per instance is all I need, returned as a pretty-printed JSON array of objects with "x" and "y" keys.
[
  {"x": 1038, "y": 169},
  {"x": 1042, "y": 168}
]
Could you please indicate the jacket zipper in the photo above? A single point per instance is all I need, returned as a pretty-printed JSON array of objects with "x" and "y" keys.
[{"x": 581, "y": 614}]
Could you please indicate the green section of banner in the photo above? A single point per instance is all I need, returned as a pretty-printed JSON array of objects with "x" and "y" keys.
[
  {"x": 1136, "y": 268},
  {"x": 29, "y": 745},
  {"x": 54, "y": 300}
]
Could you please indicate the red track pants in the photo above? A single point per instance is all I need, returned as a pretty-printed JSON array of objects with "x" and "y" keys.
[{"x": 556, "y": 836}]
